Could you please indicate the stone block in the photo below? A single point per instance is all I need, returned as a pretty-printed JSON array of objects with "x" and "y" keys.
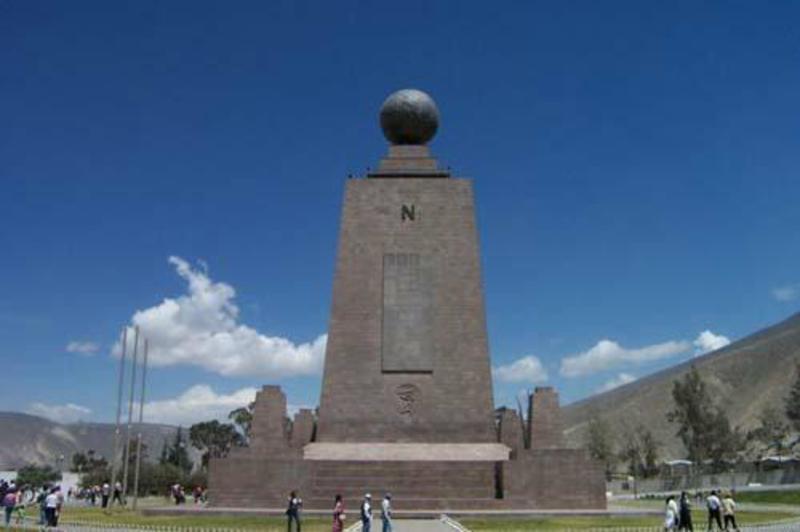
[
  {"x": 509, "y": 430},
  {"x": 302, "y": 428},
  {"x": 269, "y": 428},
  {"x": 547, "y": 431}
]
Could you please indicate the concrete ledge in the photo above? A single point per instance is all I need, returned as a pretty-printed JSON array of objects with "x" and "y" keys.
[{"x": 407, "y": 452}]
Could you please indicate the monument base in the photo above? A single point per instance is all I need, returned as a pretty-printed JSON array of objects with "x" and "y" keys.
[
  {"x": 558, "y": 479},
  {"x": 422, "y": 477}
]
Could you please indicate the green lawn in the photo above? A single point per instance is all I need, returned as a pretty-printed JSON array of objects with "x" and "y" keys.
[
  {"x": 770, "y": 497},
  {"x": 319, "y": 524},
  {"x": 128, "y": 517},
  {"x": 559, "y": 523}
]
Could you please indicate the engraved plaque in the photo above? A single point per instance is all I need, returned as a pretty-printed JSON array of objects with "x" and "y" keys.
[
  {"x": 408, "y": 399},
  {"x": 407, "y": 339}
]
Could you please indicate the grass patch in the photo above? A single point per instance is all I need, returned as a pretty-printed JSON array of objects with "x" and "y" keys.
[
  {"x": 121, "y": 516},
  {"x": 586, "y": 522},
  {"x": 770, "y": 497}
]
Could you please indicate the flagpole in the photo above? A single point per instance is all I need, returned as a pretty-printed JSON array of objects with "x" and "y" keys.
[
  {"x": 115, "y": 455},
  {"x": 139, "y": 435},
  {"x": 126, "y": 458}
]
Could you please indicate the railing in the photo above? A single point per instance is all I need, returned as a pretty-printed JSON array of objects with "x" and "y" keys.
[{"x": 452, "y": 523}]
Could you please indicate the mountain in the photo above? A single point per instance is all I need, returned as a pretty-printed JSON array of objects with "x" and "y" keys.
[
  {"x": 28, "y": 439},
  {"x": 743, "y": 378}
]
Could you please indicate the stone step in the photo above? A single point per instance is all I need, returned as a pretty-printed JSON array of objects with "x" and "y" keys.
[
  {"x": 416, "y": 493},
  {"x": 407, "y": 465},
  {"x": 418, "y": 472},
  {"x": 404, "y": 479},
  {"x": 407, "y": 470},
  {"x": 401, "y": 482},
  {"x": 353, "y": 504}
]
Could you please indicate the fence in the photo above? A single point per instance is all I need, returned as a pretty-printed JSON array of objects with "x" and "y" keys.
[{"x": 792, "y": 525}]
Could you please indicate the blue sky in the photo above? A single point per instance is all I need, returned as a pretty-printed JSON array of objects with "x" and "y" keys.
[{"x": 635, "y": 167}]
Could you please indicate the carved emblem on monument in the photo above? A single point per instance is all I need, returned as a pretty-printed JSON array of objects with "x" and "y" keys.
[{"x": 408, "y": 397}]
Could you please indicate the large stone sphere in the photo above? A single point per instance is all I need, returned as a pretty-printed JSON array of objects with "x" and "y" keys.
[{"x": 409, "y": 116}]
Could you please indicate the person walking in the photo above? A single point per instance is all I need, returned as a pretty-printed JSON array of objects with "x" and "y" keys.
[
  {"x": 713, "y": 504},
  {"x": 105, "y": 494},
  {"x": 41, "y": 499},
  {"x": 729, "y": 511},
  {"x": 51, "y": 507},
  {"x": 9, "y": 503},
  {"x": 671, "y": 516},
  {"x": 386, "y": 512},
  {"x": 117, "y": 494},
  {"x": 685, "y": 513},
  {"x": 293, "y": 511},
  {"x": 366, "y": 513},
  {"x": 19, "y": 508},
  {"x": 338, "y": 514}
]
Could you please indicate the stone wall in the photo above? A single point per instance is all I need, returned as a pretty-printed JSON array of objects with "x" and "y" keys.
[
  {"x": 554, "y": 479},
  {"x": 245, "y": 480}
]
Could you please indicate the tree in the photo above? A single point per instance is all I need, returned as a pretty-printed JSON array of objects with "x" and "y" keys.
[
  {"x": 242, "y": 419},
  {"x": 640, "y": 451},
  {"x": 164, "y": 458},
  {"x": 79, "y": 462},
  {"x": 214, "y": 439},
  {"x": 88, "y": 461},
  {"x": 650, "y": 448},
  {"x": 600, "y": 444},
  {"x": 133, "y": 448},
  {"x": 792, "y": 405},
  {"x": 177, "y": 454},
  {"x": 34, "y": 475},
  {"x": 771, "y": 434},
  {"x": 703, "y": 428}
]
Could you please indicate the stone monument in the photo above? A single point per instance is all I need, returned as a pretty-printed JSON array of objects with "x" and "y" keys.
[{"x": 406, "y": 401}]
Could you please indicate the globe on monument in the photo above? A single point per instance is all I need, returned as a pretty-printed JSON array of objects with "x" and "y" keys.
[{"x": 409, "y": 116}]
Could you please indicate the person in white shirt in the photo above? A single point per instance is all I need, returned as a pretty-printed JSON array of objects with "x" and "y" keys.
[
  {"x": 386, "y": 512},
  {"x": 713, "y": 504},
  {"x": 117, "y": 494},
  {"x": 52, "y": 504},
  {"x": 366, "y": 513},
  {"x": 671, "y": 517},
  {"x": 105, "y": 494},
  {"x": 295, "y": 503}
]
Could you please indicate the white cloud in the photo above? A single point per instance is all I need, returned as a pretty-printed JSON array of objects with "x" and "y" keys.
[
  {"x": 68, "y": 413},
  {"x": 707, "y": 341},
  {"x": 786, "y": 293},
  {"x": 198, "y": 403},
  {"x": 616, "y": 382},
  {"x": 525, "y": 369},
  {"x": 201, "y": 328},
  {"x": 607, "y": 354},
  {"x": 82, "y": 347}
]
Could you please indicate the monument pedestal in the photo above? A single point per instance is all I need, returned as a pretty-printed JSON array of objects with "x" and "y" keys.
[{"x": 506, "y": 474}]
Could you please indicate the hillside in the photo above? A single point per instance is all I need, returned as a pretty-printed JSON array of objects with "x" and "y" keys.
[
  {"x": 743, "y": 377},
  {"x": 32, "y": 439}
]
